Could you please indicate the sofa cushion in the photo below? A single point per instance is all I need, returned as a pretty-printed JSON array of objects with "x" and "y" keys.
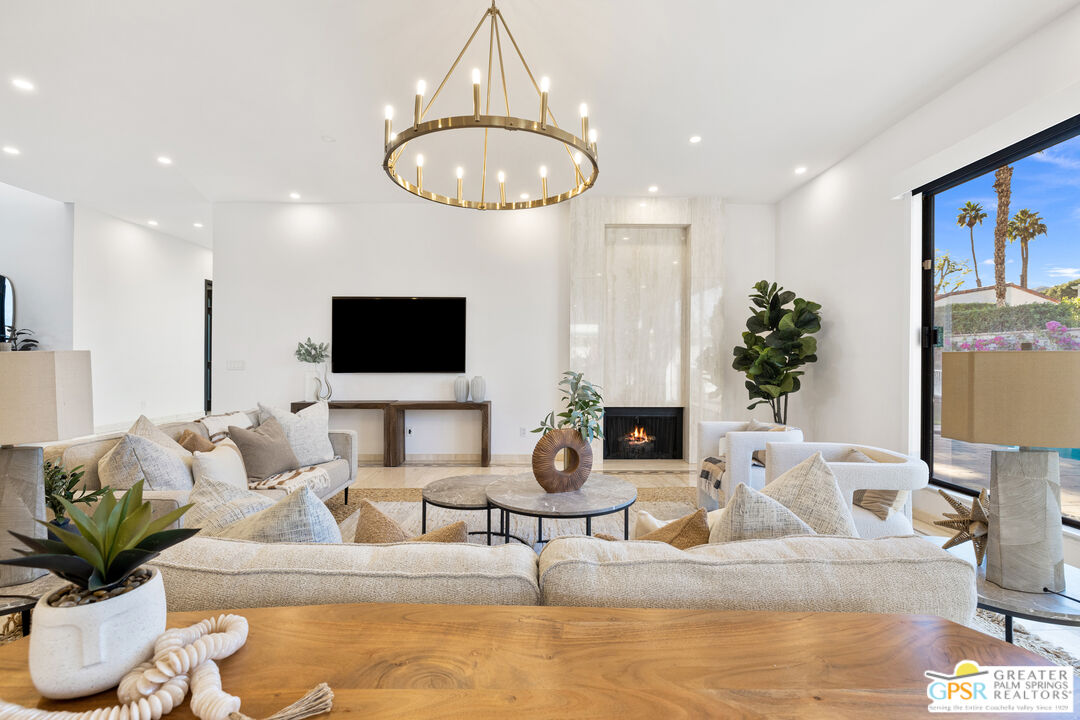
[
  {"x": 896, "y": 574},
  {"x": 219, "y": 503},
  {"x": 810, "y": 491},
  {"x": 212, "y": 573},
  {"x": 307, "y": 431},
  {"x": 265, "y": 449},
  {"x": 136, "y": 458},
  {"x": 750, "y": 515},
  {"x": 299, "y": 517}
]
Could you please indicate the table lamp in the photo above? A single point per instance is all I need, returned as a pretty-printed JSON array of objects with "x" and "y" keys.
[
  {"x": 1029, "y": 399},
  {"x": 44, "y": 396}
]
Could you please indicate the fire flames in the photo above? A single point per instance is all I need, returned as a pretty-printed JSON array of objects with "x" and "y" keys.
[{"x": 638, "y": 436}]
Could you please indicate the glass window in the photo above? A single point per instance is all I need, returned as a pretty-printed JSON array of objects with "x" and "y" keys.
[{"x": 1009, "y": 285}]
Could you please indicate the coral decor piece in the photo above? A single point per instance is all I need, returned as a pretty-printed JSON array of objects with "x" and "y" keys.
[
  {"x": 183, "y": 657},
  {"x": 970, "y": 523}
]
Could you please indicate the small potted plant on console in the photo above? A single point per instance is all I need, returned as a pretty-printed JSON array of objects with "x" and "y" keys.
[{"x": 88, "y": 634}]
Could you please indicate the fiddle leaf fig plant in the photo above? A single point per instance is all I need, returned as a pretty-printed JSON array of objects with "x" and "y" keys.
[
  {"x": 111, "y": 544},
  {"x": 776, "y": 345},
  {"x": 584, "y": 408}
]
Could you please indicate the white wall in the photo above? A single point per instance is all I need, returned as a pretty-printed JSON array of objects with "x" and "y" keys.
[
  {"x": 139, "y": 310},
  {"x": 843, "y": 240},
  {"x": 276, "y": 267},
  {"x": 749, "y": 255},
  {"x": 36, "y": 254}
]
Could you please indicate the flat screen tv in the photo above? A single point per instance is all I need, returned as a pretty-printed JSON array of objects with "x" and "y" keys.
[{"x": 398, "y": 335}]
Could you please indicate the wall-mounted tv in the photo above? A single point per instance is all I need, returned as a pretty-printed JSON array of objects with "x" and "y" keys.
[{"x": 398, "y": 335}]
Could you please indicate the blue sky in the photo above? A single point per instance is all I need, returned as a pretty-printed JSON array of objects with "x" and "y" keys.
[{"x": 1047, "y": 183}]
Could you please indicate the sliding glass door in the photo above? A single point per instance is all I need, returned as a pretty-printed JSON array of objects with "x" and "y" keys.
[{"x": 1002, "y": 237}]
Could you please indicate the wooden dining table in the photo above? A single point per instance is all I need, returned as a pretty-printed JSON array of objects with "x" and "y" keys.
[{"x": 460, "y": 661}]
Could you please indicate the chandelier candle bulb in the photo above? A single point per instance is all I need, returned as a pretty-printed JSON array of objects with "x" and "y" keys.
[
  {"x": 460, "y": 176},
  {"x": 545, "y": 85},
  {"x": 584, "y": 110},
  {"x": 420, "y": 173},
  {"x": 502, "y": 187},
  {"x": 389, "y": 132},
  {"x": 543, "y": 181},
  {"x": 421, "y": 87},
  {"x": 476, "y": 93}
]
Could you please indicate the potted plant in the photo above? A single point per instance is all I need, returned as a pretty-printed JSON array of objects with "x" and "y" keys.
[
  {"x": 776, "y": 345},
  {"x": 315, "y": 354},
  {"x": 88, "y": 634},
  {"x": 569, "y": 432},
  {"x": 62, "y": 484}
]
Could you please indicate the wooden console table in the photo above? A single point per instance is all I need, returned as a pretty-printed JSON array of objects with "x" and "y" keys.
[
  {"x": 394, "y": 422},
  {"x": 455, "y": 661}
]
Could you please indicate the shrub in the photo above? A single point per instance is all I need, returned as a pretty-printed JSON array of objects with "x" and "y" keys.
[{"x": 975, "y": 318}]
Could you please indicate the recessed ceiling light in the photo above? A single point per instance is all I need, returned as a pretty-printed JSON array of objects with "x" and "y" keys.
[
  {"x": 162, "y": 159},
  {"x": 198, "y": 225},
  {"x": 695, "y": 139},
  {"x": 524, "y": 196},
  {"x": 800, "y": 170},
  {"x": 674, "y": 262},
  {"x": 329, "y": 139},
  {"x": 152, "y": 223},
  {"x": 23, "y": 84},
  {"x": 11, "y": 150},
  {"x": 294, "y": 195},
  {"x": 642, "y": 204},
  {"x": 653, "y": 188}
]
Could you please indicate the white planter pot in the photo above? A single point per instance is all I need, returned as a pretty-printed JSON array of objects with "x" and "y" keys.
[
  {"x": 478, "y": 389},
  {"x": 461, "y": 388},
  {"x": 78, "y": 651}
]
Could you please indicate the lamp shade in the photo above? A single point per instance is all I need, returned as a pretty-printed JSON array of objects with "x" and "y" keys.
[
  {"x": 45, "y": 396},
  {"x": 1026, "y": 398}
]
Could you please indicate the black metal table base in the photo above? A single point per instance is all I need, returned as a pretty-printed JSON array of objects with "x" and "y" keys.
[{"x": 540, "y": 524}]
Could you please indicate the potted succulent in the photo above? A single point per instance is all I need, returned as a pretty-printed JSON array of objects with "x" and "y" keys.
[
  {"x": 62, "y": 484},
  {"x": 570, "y": 433},
  {"x": 88, "y": 634},
  {"x": 315, "y": 353}
]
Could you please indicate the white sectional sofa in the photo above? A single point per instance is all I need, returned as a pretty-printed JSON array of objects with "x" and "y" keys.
[{"x": 89, "y": 450}]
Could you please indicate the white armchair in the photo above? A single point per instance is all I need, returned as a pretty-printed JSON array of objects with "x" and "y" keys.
[
  {"x": 733, "y": 441},
  {"x": 889, "y": 471}
]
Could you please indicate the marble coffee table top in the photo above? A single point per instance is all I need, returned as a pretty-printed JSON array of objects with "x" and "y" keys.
[
  {"x": 600, "y": 495},
  {"x": 461, "y": 492},
  {"x": 1045, "y": 607}
]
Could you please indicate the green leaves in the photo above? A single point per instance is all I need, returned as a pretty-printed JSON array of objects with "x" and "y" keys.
[
  {"x": 584, "y": 408},
  {"x": 776, "y": 345},
  {"x": 312, "y": 352},
  {"x": 114, "y": 541}
]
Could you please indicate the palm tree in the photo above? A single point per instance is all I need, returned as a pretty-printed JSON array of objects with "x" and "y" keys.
[
  {"x": 1025, "y": 226},
  {"x": 1003, "y": 188},
  {"x": 971, "y": 215}
]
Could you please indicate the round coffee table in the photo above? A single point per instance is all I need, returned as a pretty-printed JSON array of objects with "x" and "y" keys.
[
  {"x": 600, "y": 495},
  {"x": 461, "y": 492}
]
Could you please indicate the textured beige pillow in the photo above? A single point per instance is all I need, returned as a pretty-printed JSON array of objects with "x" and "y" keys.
[
  {"x": 646, "y": 523},
  {"x": 136, "y": 458},
  {"x": 217, "y": 504},
  {"x": 810, "y": 491},
  {"x": 300, "y": 517},
  {"x": 194, "y": 442},
  {"x": 750, "y": 515},
  {"x": 879, "y": 502},
  {"x": 308, "y": 431},
  {"x": 265, "y": 449},
  {"x": 686, "y": 532},
  {"x": 223, "y": 464},
  {"x": 376, "y": 527}
]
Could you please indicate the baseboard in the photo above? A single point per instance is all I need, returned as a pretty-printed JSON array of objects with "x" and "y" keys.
[{"x": 448, "y": 458}]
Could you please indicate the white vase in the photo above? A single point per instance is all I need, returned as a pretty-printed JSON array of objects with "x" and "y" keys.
[
  {"x": 479, "y": 389},
  {"x": 461, "y": 388},
  {"x": 79, "y": 651}
]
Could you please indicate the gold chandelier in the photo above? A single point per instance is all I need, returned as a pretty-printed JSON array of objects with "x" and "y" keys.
[{"x": 578, "y": 149}]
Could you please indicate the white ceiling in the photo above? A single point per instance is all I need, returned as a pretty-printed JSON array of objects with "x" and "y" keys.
[{"x": 254, "y": 99}]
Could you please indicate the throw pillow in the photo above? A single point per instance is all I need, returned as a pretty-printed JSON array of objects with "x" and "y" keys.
[
  {"x": 217, "y": 426},
  {"x": 686, "y": 532},
  {"x": 222, "y": 464},
  {"x": 879, "y": 502},
  {"x": 136, "y": 458},
  {"x": 751, "y": 515},
  {"x": 298, "y": 518},
  {"x": 194, "y": 442},
  {"x": 647, "y": 522},
  {"x": 308, "y": 431},
  {"x": 810, "y": 491},
  {"x": 216, "y": 504},
  {"x": 265, "y": 449},
  {"x": 375, "y": 526}
]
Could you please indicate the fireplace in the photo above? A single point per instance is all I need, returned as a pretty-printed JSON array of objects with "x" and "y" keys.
[{"x": 643, "y": 433}]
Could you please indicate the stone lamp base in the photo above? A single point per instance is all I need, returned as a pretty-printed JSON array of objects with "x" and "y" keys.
[{"x": 1023, "y": 549}]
